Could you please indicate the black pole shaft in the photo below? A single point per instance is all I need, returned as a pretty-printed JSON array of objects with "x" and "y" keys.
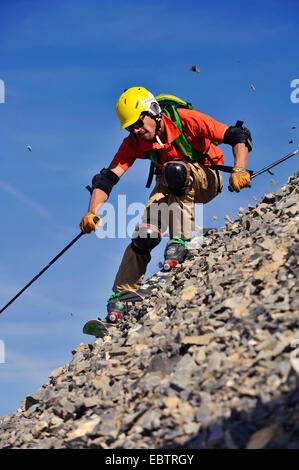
[
  {"x": 274, "y": 164},
  {"x": 230, "y": 188},
  {"x": 43, "y": 270}
]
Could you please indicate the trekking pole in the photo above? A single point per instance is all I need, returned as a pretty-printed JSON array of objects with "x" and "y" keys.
[
  {"x": 230, "y": 188},
  {"x": 96, "y": 219}
]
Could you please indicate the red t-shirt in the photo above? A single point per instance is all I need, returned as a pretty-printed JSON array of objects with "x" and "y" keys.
[{"x": 199, "y": 129}]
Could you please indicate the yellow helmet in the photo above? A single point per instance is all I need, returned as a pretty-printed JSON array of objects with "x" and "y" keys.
[{"x": 133, "y": 102}]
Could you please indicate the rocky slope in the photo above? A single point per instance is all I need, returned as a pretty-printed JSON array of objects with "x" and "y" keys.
[{"x": 210, "y": 360}]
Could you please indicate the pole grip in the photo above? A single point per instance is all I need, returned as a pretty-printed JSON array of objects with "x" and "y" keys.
[{"x": 231, "y": 189}]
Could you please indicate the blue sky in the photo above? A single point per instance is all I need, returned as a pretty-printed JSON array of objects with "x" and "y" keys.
[{"x": 64, "y": 64}]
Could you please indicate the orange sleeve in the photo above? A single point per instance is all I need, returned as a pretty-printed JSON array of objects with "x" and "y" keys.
[
  {"x": 126, "y": 154},
  {"x": 201, "y": 125}
]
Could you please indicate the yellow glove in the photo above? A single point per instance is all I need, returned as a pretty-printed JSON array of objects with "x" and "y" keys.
[
  {"x": 89, "y": 222},
  {"x": 239, "y": 179}
]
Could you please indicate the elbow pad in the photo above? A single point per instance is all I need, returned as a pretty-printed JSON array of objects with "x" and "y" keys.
[
  {"x": 105, "y": 180},
  {"x": 238, "y": 134}
]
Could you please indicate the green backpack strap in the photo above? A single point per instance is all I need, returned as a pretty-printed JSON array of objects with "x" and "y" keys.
[
  {"x": 153, "y": 155},
  {"x": 169, "y": 105}
]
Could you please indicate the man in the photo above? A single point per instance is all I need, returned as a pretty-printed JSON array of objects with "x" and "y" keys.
[{"x": 183, "y": 177}]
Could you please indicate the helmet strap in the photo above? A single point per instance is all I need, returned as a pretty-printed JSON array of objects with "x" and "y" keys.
[
  {"x": 158, "y": 127},
  {"x": 159, "y": 141}
]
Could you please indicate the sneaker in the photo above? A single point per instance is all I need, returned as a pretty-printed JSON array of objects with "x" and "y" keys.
[
  {"x": 175, "y": 252},
  {"x": 115, "y": 308}
]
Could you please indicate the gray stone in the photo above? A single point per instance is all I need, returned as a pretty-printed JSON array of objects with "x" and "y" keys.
[{"x": 207, "y": 360}]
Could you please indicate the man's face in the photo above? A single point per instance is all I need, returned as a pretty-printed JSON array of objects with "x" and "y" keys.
[{"x": 148, "y": 130}]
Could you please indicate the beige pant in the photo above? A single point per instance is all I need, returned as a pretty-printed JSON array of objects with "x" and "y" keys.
[{"x": 179, "y": 219}]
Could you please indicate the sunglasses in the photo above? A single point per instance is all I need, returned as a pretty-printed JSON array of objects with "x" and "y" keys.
[{"x": 137, "y": 125}]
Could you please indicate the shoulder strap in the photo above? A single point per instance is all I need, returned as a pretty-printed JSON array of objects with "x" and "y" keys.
[
  {"x": 169, "y": 105},
  {"x": 150, "y": 175},
  {"x": 152, "y": 155}
]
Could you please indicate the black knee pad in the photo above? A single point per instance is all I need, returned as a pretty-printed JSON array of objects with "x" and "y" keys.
[
  {"x": 145, "y": 238},
  {"x": 176, "y": 175}
]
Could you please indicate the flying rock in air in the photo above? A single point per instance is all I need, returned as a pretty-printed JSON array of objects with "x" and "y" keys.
[
  {"x": 252, "y": 87},
  {"x": 29, "y": 148},
  {"x": 193, "y": 68}
]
